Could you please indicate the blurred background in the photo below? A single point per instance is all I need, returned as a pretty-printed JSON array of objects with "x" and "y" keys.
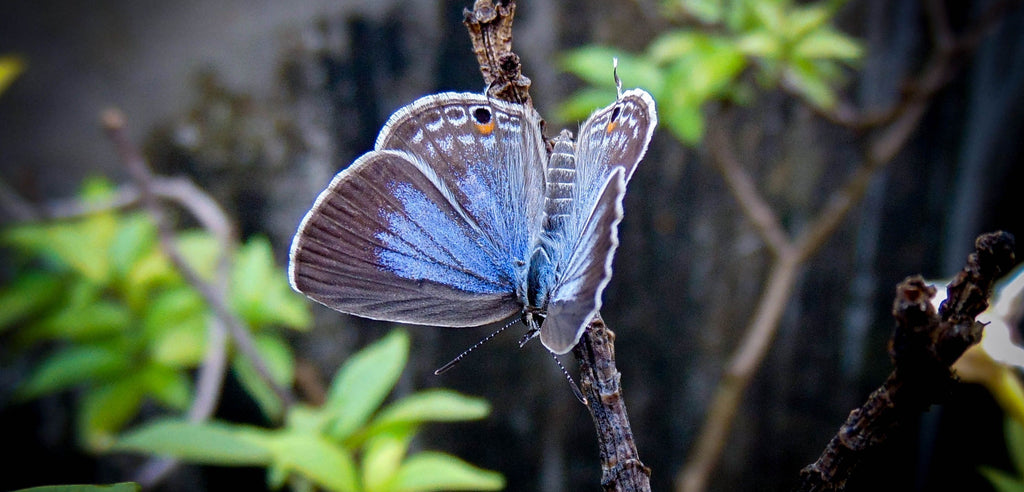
[{"x": 259, "y": 103}]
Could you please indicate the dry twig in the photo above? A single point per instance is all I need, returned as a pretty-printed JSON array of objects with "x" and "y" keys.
[{"x": 924, "y": 346}]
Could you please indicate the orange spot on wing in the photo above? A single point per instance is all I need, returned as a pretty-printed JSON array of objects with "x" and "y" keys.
[
  {"x": 611, "y": 127},
  {"x": 485, "y": 128}
]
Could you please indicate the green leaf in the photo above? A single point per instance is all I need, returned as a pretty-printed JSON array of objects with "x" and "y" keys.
[
  {"x": 10, "y": 68},
  {"x": 364, "y": 381},
  {"x": 136, "y": 237},
  {"x": 304, "y": 418},
  {"x": 73, "y": 366},
  {"x": 714, "y": 67},
  {"x": 97, "y": 189},
  {"x": 182, "y": 344},
  {"x": 760, "y": 43},
  {"x": 804, "y": 20},
  {"x": 314, "y": 457},
  {"x": 770, "y": 15},
  {"x": 201, "y": 251},
  {"x": 429, "y": 471},
  {"x": 170, "y": 307},
  {"x": 684, "y": 119},
  {"x": 707, "y": 11},
  {"x": 1014, "y": 432},
  {"x": 260, "y": 292},
  {"x": 673, "y": 45},
  {"x": 382, "y": 456},
  {"x": 594, "y": 65},
  {"x": 28, "y": 295},
  {"x": 82, "y": 245},
  {"x": 281, "y": 364},
  {"x": 806, "y": 78},
  {"x": 829, "y": 44},
  {"x": 277, "y": 477},
  {"x": 105, "y": 410},
  {"x": 82, "y": 321},
  {"x": 584, "y": 102},
  {"x": 1002, "y": 481},
  {"x": 167, "y": 385},
  {"x": 433, "y": 405},
  {"x": 114, "y": 487},
  {"x": 251, "y": 276},
  {"x": 209, "y": 443},
  {"x": 175, "y": 323},
  {"x": 151, "y": 270}
]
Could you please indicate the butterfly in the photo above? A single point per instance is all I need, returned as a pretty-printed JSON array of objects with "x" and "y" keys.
[{"x": 461, "y": 216}]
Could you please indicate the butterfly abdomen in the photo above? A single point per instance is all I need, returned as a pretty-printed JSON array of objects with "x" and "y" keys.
[{"x": 561, "y": 176}]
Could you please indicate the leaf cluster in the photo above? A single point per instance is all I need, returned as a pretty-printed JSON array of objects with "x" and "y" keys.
[
  {"x": 95, "y": 305},
  {"x": 732, "y": 45},
  {"x": 348, "y": 444}
]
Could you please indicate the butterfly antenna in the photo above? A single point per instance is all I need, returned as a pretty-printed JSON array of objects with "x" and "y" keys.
[
  {"x": 572, "y": 383},
  {"x": 615, "y": 74},
  {"x": 443, "y": 369}
]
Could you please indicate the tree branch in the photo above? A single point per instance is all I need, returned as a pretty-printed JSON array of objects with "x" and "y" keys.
[
  {"x": 743, "y": 189},
  {"x": 924, "y": 346}
]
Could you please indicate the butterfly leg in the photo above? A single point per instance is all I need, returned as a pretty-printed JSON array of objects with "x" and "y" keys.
[{"x": 530, "y": 319}]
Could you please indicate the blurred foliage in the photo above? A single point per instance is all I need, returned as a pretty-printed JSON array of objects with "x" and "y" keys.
[
  {"x": 107, "y": 314},
  {"x": 1001, "y": 480},
  {"x": 10, "y": 67},
  {"x": 116, "y": 487},
  {"x": 348, "y": 444},
  {"x": 732, "y": 43}
]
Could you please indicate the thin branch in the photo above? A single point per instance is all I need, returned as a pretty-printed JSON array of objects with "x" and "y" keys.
[
  {"x": 923, "y": 348},
  {"x": 621, "y": 468},
  {"x": 747, "y": 358},
  {"x": 16, "y": 206},
  {"x": 214, "y": 296},
  {"x": 743, "y": 189}
]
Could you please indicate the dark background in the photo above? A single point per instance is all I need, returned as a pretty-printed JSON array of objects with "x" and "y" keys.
[{"x": 284, "y": 94}]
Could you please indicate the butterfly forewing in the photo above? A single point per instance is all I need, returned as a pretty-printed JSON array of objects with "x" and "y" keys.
[
  {"x": 489, "y": 153},
  {"x": 386, "y": 241}
]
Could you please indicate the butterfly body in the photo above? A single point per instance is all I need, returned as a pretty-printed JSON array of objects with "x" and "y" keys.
[{"x": 459, "y": 217}]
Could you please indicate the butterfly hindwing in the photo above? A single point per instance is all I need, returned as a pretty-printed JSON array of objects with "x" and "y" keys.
[
  {"x": 576, "y": 297},
  {"x": 615, "y": 136},
  {"x": 611, "y": 143}
]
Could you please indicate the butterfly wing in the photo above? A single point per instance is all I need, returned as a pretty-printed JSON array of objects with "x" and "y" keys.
[
  {"x": 613, "y": 137},
  {"x": 610, "y": 145},
  {"x": 493, "y": 161},
  {"x": 422, "y": 229},
  {"x": 576, "y": 297}
]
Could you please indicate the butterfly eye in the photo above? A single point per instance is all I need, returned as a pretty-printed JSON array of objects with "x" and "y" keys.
[
  {"x": 612, "y": 124},
  {"x": 484, "y": 121}
]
